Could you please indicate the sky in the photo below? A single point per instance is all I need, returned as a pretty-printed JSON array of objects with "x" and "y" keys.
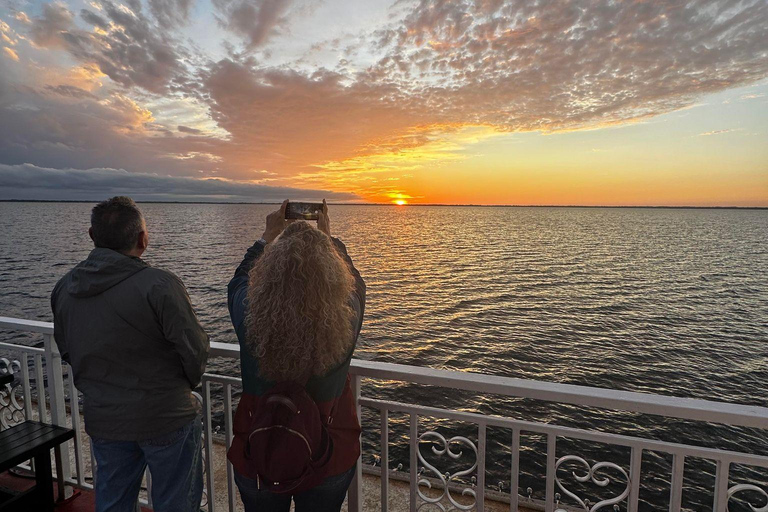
[{"x": 642, "y": 102}]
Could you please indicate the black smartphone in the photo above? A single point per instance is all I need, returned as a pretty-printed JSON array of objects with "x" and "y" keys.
[{"x": 305, "y": 211}]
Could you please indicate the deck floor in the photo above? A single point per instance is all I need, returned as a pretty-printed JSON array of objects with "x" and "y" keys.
[{"x": 80, "y": 501}]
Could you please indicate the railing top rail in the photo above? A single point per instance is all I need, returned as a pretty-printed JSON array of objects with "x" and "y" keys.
[
  {"x": 18, "y": 324},
  {"x": 22, "y": 348},
  {"x": 646, "y": 403},
  {"x": 632, "y": 401}
]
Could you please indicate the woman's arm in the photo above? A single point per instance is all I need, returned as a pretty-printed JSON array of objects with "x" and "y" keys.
[
  {"x": 324, "y": 225},
  {"x": 359, "y": 282},
  {"x": 237, "y": 290},
  {"x": 238, "y": 286}
]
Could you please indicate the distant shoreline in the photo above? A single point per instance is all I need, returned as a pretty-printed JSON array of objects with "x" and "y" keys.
[{"x": 662, "y": 207}]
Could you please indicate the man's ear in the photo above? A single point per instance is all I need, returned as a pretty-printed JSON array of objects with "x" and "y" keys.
[
  {"x": 143, "y": 240},
  {"x": 90, "y": 233}
]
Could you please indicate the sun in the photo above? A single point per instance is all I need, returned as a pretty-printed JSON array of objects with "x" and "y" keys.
[{"x": 401, "y": 202}]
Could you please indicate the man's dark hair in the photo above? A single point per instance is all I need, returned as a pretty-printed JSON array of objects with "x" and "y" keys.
[{"x": 116, "y": 224}]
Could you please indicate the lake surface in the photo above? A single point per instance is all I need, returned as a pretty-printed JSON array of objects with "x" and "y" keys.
[{"x": 669, "y": 301}]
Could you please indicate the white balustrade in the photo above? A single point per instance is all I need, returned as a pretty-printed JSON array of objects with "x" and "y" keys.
[{"x": 455, "y": 493}]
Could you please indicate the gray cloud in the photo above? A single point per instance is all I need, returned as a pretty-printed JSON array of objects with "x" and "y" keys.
[
  {"x": 28, "y": 181},
  {"x": 70, "y": 91},
  {"x": 129, "y": 48},
  {"x": 64, "y": 126},
  {"x": 171, "y": 13},
  {"x": 94, "y": 19},
  {"x": 254, "y": 20},
  {"x": 548, "y": 65},
  {"x": 48, "y": 30},
  {"x": 187, "y": 129}
]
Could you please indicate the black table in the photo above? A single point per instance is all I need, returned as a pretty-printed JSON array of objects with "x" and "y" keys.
[{"x": 31, "y": 440}]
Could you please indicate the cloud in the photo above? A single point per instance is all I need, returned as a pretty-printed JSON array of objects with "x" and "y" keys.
[
  {"x": 70, "y": 91},
  {"x": 22, "y": 17},
  {"x": 126, "y": 45},
  {"x": 718, "y": 132},
  {"x": 325, "y": 120},
  {"x": 50, "y": 29},
  {"x": 62, "y": 125},
  {"x": 10, "y": 53},
  {"x": 549, "y": 66},
  {"x": 171, "y": 13},
  {"x": 6, "y": 34},
  {"x": 254, "y": 20},
  {"x": 187, "y": 129},
  {"x": 28, "y": 181}
]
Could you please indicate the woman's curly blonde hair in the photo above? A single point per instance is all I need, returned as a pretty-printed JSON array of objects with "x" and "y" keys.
[{"x": 300, "y": 321}]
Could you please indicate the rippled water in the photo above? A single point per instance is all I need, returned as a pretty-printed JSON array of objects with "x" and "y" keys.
[{"x": 670, "y": 301}]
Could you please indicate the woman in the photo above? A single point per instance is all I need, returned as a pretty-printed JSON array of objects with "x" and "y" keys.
[{"x": 296, "y": 302}]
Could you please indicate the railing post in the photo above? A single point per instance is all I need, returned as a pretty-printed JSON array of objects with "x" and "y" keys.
[
  {"x": 228, "y": 430},
  {"x": 514, "y": 482},
  {"x": 676, "y": 485},
  {"x": 635, "y": 466},
  {"x": 58, "y": 408},
  {"x": 414, "y": 455},
  {"x": 481, "y": 442},
  {"x": 208, "y": 429},
  {"x": 355, "y": 494},
  {"x": 384, "y": 460},
  {"x": 721, "y": 486},
  {"x": 549, "y": 501}
]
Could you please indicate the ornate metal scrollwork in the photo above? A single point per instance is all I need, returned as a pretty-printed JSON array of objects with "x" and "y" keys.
[
  {"x": 11, "y": 395},
  {"x": 445, "y": 478},
  {"x": 591, "y": 475},
  {"x": 748, "y": 487}
]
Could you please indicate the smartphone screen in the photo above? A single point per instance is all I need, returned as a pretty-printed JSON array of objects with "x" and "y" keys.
[{"x": 305, "y": 211}]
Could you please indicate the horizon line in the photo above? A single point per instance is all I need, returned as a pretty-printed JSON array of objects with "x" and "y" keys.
[{"x": 464, "y": 205}]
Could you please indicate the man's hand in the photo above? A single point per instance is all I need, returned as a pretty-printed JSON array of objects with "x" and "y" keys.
[
  {"x": 276, "y": 223},
  {"x": 323, "y": 222}
]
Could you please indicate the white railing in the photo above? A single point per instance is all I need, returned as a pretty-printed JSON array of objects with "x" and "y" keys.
[
  {"x": 668, "y": 407},
  {"x": 429, "y": 486}
]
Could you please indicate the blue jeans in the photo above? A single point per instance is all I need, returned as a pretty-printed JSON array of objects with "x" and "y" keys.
[
  {"x": 328, "y": 496},
  {"x": 175, "y": 463}
]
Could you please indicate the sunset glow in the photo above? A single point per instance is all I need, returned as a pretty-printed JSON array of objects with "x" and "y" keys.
[{"x": 410, "y": 102}]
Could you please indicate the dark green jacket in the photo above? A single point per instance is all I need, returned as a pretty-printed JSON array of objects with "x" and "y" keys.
[{"x": 134, "y": 343}]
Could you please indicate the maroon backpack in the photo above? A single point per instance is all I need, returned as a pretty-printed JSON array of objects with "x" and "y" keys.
[{"x": 288, "y": 444}]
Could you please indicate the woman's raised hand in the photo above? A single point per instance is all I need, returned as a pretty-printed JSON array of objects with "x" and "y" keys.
[
  {"x": 323, "y": 222},
  {"x": 276, "y": 223}
]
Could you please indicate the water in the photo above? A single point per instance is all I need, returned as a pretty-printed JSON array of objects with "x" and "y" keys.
[{"x": 670, "y": 301}]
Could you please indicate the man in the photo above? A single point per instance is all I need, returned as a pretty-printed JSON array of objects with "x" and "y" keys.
[{"x": 137, "y": 351}]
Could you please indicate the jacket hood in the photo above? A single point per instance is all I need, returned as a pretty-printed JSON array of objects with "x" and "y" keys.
[{"x": 103, "y": 269}]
